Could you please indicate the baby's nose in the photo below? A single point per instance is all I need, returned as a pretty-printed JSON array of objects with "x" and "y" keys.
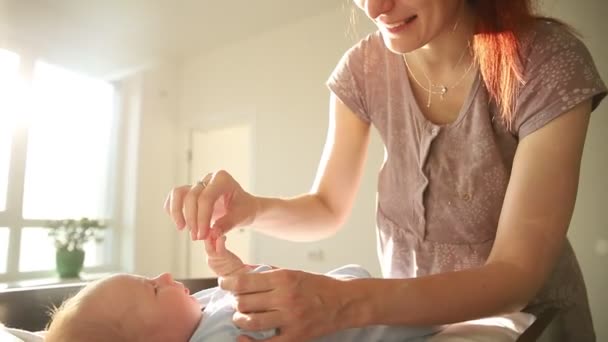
[{"x": 165, "y": 278}]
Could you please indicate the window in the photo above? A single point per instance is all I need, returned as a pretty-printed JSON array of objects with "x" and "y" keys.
[
  {"x": 9, "y": 68},
  {"x": 3, "y": 248},
  {"x": 56, "y": 150},
  {"x": 67, "y": 154}
]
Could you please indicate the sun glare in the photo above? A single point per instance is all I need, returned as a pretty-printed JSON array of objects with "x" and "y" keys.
[
  {"x": 68, "y": 154},
  {"x": 9, "y": 91}
]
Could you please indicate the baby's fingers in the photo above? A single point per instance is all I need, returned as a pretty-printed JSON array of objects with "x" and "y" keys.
[
  {"x": 221, "y": 244},
  {"x": 210, "y": 246}
]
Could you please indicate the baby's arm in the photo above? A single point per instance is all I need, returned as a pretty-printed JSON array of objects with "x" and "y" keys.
[{"x": 222, "y": 261}]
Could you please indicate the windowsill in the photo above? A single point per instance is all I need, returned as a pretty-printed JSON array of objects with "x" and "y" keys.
[{"x": 51, "y": 281}]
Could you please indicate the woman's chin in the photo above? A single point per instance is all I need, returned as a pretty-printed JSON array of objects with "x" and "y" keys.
[{"x": 399, "y": 46}]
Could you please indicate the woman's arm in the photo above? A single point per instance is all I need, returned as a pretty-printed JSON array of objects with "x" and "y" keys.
[
  {"x": 320, "y": 213},
  {"x": 532, "y": 229},
  {"x": 531, "y": 232},
  {"x": 218, "y": 203}
]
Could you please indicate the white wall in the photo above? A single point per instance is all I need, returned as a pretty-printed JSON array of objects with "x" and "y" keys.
[
  {"x": 589, "y": 230},
  {"x": 149, "y": 167},
  {"x": 279, "y": 78}
]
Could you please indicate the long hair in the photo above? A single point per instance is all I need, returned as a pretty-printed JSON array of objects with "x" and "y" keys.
[{"x": 497, "y": 48}]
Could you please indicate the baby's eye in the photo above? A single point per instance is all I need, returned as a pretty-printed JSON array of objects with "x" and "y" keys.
[{"x": 155, "y": 287}]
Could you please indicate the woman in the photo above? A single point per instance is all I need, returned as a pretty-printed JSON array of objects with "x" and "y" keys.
[{"x": 483, "y": 109}]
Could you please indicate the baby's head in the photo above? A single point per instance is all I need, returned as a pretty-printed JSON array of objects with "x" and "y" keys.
[{"x": 127, "y": 308}]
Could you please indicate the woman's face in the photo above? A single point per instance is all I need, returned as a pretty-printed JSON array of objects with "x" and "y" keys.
[{"x": 407, "y": 25}]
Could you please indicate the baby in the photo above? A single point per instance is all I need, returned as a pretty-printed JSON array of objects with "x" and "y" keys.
[{"x": 132, "y": 308}]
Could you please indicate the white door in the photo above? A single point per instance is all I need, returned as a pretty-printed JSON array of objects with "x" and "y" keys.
[{"x": 229, "y": 148}]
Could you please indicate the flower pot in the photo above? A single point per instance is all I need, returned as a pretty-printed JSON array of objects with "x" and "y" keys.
[{"x": 69, "y": 262}]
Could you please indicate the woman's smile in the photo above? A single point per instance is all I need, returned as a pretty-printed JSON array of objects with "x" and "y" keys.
[{"x": 397, "y": 27}]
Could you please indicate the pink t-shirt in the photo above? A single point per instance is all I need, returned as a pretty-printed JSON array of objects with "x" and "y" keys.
[{"x": 441, "y": 187}]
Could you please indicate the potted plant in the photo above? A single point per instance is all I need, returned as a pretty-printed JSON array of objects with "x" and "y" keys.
[{"x": 69, "y": 236}]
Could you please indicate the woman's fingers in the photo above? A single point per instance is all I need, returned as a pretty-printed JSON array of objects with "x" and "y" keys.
[
  {"x": 217, "y": 203},
  {"x": 302, "y": 305},
  {"x": 204, "y": 202},
  {"x": 167, "y": 204},
  {"x": 260, "y": 292},
  {"x": 191, "y": 208},
  {"x": 224, "y": 224},
  {"x": 248, "y": 283},
  {"x": 258, "y": 321},
  {"x": 213, "y": 201},
  {"x": 258, "y": 302},
  {"x": 176, "y": 202}
]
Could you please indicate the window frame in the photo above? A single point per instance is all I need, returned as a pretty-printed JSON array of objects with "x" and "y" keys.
[{"x": 12, "y": 217}]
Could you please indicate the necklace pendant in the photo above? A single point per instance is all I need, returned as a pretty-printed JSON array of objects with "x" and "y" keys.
[{"x": 443, "y": 91}]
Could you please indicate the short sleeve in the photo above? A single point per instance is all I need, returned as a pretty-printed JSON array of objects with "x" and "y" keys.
[
  {"x": 559, "y": 74},
  {"x": 347, "y": 81}
]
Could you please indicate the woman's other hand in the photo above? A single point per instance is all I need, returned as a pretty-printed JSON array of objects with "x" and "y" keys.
[
  {"x": 217, "y": 203},
  {"x": 301, "y": 305}
]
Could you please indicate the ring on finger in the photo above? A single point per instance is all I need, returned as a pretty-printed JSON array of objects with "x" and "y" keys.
[{"x": 205, "y": 180}]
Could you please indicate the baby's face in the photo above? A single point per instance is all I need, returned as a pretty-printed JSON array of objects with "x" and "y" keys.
[{"x": 155, "y": 305}]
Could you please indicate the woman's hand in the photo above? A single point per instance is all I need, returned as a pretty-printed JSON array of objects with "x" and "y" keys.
[
  {"x": 217, "y": 203},
  {"x": 222, "y": 261},
  {"x": 301, "y": 305}
]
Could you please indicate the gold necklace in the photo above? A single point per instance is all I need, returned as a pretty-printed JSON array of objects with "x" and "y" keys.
[{"x": 442, "y": 88}]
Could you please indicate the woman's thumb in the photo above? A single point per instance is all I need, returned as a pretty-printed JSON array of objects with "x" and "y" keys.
[{"x": 223, "y": 225}]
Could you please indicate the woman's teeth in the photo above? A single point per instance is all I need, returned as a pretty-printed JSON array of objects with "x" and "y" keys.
[
  {"x": 396, "y": 24},
  {"x": 401, "y": 23}
]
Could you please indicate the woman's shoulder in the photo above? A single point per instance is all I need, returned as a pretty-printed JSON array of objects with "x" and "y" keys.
[
  {"x": 551, "y": 27},
  {"x": 546, "y": 37},
  {"x": 558, "y": 74},
  {"x": 549, "y": 46}
]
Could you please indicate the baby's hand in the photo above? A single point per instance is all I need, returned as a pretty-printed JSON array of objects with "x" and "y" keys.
[{"x": 222, "y": 261}]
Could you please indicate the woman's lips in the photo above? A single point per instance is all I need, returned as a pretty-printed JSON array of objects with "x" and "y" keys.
[{"x": 400, "y": 26}]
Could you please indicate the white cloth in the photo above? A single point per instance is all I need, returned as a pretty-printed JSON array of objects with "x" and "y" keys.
[
  {"x": 216, "y": 324},
  {"x": 505, "y": 328},
  {"x": 18, "y": 335}
]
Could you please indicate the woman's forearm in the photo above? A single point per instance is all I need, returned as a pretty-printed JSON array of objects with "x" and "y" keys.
[
  {"x": 438, "y": 299},
  {"x": 302, "y": 218}
]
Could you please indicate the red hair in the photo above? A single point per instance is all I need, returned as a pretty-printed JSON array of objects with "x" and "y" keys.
[{"x": 497, "y": 48}]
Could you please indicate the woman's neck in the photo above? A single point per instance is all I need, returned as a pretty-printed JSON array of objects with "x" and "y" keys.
[{"x": 447, "y": 49}]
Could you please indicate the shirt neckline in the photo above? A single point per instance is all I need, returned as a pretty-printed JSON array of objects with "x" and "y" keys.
[{"x": 464, "y": 109}]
